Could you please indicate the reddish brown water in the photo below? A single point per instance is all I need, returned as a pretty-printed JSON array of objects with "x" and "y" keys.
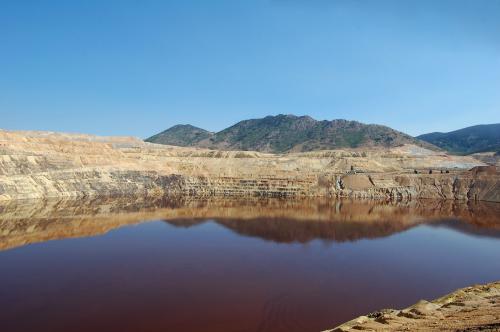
[{"x": 237, "y": 275}]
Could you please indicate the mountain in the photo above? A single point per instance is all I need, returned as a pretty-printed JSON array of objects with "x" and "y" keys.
[
  {"x": 287, "y": 133},
  {"x": 180, "y": 135},
  {"x": 481, "y": 138}
]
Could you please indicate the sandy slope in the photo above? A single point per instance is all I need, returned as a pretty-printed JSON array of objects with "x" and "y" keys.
[{"x": 469, "y": 309}]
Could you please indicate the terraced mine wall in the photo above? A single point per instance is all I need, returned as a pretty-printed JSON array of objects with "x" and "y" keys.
[{"x": 43, "y": 165}]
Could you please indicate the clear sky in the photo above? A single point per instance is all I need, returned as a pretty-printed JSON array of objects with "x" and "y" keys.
[{"x": 138, "y": 67}]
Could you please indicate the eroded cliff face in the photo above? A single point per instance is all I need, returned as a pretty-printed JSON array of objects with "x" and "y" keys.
[{"x": 42, "y": 165}]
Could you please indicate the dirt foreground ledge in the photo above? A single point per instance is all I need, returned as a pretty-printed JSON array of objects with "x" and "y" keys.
[{"x": 469, "y": 309}]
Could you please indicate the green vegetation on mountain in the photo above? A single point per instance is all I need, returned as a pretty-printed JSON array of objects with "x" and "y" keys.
[
  {"x": 286, "y": 133},
  {"x": 180, "y": 135},
  {"x": 481, "y": 138}
]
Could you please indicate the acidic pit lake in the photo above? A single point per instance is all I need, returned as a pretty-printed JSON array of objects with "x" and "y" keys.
[{"x": 233, "y": 265}]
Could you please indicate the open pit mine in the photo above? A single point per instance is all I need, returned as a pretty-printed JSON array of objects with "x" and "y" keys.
[{"x": 47, "y": 164}]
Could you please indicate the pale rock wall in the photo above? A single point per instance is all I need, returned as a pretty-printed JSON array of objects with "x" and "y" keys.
[{"x": 43, "y": 164}]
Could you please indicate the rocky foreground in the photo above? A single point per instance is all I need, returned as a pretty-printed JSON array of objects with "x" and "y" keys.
[
  {"x": 468, "y": 309},
  {"x": 45, "y": 164}
]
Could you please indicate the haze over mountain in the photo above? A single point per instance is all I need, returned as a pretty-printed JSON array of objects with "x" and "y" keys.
[
  {"x": 287, "y": 133},
  {"x": 480, "y": 138}
]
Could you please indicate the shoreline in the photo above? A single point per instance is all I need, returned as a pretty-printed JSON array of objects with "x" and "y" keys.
[{"x": 474, "y": 308}]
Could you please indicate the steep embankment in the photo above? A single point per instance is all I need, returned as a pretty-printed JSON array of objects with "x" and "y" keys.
[{"x": 40, "y": 164}]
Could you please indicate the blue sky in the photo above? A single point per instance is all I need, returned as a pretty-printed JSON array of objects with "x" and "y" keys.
[{"x": 138, "y": 67}]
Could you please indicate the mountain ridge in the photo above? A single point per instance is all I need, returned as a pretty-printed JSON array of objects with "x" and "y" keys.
[
  {"x": 468, "y": 140},
  {"x": 288, "y": 133},
  {"x": 181, "y": 135}
]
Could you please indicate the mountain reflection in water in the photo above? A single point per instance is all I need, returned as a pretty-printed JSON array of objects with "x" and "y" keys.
[
  {"x": 253, "y": 265},
  {"x": 25, "y": 222}
]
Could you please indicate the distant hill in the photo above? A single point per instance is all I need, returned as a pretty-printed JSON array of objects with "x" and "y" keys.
[
  {"x": 180, "y": 135},
  {"x": 481, "y": 138},
  {"x": 286, "y": 133}
]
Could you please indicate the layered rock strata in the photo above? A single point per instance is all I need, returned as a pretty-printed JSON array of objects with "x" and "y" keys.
[{"x": 43, "y": 164}]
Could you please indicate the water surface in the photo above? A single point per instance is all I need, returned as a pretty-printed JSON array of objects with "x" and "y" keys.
[{"x": 119, "y": 265}]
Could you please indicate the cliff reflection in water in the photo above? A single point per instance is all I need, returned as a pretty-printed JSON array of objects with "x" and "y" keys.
[{"x": 26, "y": 222}]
